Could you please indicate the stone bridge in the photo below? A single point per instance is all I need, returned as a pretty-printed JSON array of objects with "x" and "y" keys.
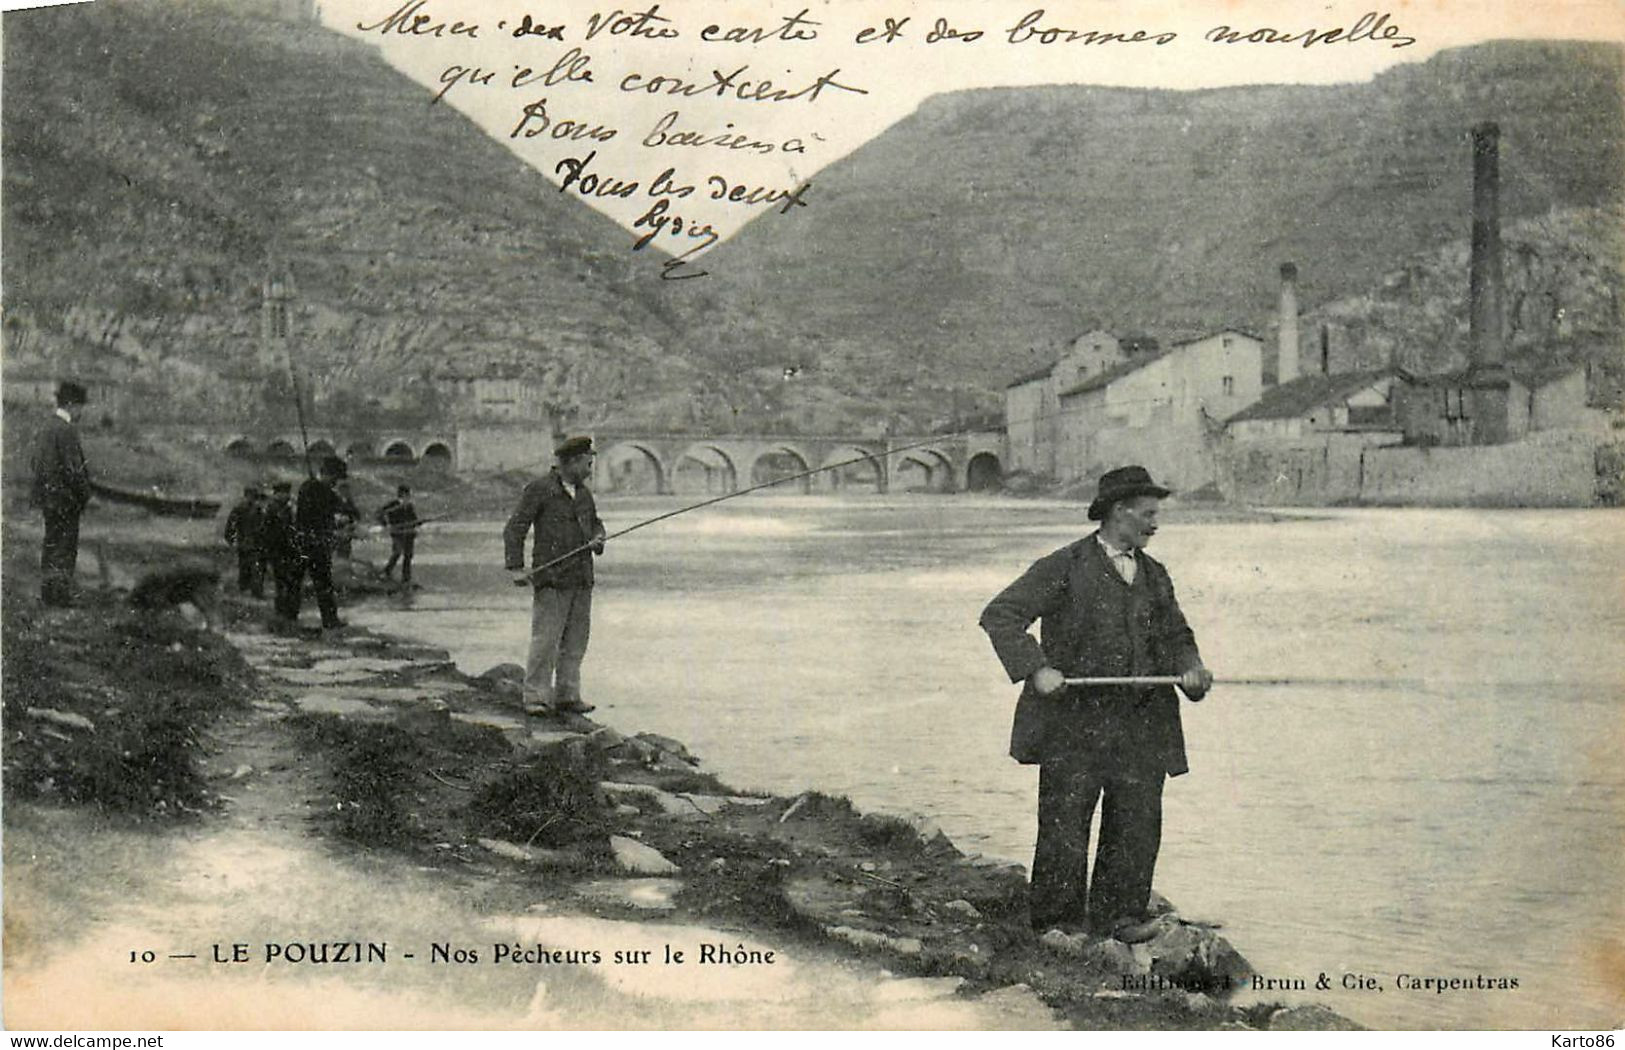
[
  {"x": 432, "y": 448},
  {"x": 640, "y": 462},
  {"x": 669, "y": 463}
]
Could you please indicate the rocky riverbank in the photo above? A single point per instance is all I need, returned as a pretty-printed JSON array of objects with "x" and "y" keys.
[{"x": 391, "y": 748}]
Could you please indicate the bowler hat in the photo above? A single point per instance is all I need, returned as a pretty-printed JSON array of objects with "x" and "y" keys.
[
  {"x": 1121, "y": 484},
  {"x": 576, "y": 446},
  {"x": 70, "y": 393}
]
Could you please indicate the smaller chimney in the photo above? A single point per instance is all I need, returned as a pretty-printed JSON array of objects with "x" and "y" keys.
[{"x": 1286, "y": 369}]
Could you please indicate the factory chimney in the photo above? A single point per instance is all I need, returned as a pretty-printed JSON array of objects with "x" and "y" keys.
[
  {"x": 1286, "y": 369},
  {"x": 1485, "y": 291}
]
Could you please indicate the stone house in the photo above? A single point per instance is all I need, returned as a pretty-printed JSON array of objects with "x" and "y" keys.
[{"x": 1163, "y": 409}]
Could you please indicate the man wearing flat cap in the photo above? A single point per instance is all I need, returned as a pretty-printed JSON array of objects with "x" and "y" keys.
[
  {"x": 61, "y": 488},
  {"x": 1105, "y": 608},
  {"x": 568, "y": 536}
]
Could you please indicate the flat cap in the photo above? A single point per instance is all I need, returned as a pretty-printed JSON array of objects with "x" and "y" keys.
[{"x": 576, "y": 446}]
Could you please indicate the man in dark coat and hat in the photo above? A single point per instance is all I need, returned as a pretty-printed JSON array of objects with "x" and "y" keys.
[
  {"x": 280, "y": 547},
  {"x": 243, "y": 527},
  {"x": 1105, "y": 608},
  {"x": 321, "y": 512},
  {"x": 61, "y": 488},
  {"x": 561, "y": 510}
]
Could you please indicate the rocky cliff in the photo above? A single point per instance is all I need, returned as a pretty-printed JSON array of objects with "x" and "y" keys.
[
  {"x": 159, "y": 157},
  {"x": 1009, "y": 220}
]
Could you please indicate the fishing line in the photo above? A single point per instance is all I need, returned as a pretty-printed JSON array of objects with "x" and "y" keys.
[{"x": 735, "y": 495}]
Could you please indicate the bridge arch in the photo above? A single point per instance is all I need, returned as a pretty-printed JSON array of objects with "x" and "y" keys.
[
  {"x": 632, "y": 467},
  {"x": 281, "y": 448},
  {"x": 869, "y": 471},
  {"x": 704, "y": 467},
  {"x": 321, "y": 448},
  {"x": 983, "y": 472},
  {"x": 400, "y": 450},
  {"x": 780, "y": 461},
  {"x": 436, "y": 455},
  {"x": 239, "y": 446},
  {"x": 933, "y": 463}
]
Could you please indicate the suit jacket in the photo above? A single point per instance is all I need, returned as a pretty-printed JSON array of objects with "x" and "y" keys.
[
  {"x": 316, "y": 514},
  {"x": 1092, "y": 623},
  {"x": 61, "y": 479},
  {"x": 562, "y": 524}
]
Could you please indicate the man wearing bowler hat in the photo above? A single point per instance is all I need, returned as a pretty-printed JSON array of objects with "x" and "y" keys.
[
  {"x": 61, "y": 488},
  {"x": 561, "y": 510},
  {"x": 1105, "y": 609}
]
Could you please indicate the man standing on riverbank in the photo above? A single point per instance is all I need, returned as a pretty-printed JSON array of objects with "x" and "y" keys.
[
  {"x": 400, "y": 519},
  {"x": 561, "y": 510},
  {"x": 281, "y": 551},
  {"x": 243, "y": 527},
  {"x": 1106, "y": 609},
  {"x": 61, "y": 489},
  {"x": 322, "y": 510}
]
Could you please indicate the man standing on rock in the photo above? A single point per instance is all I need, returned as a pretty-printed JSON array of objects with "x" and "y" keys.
[
  {"x": 61, "y": 489},
  {"x": 565, "y": 518},
  {"x": 1106, "y": 609}
]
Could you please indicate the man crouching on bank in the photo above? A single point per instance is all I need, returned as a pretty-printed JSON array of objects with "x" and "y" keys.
[{"x": 1106, "y": 609}]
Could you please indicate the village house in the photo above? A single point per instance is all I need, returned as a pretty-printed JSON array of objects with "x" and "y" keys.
[
  {"x": 1162, "y": 408},
  {"x": 1032, "y": 402},
  {"x": 1318, "y": 404}
]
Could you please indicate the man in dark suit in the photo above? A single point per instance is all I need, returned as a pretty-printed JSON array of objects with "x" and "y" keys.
[
  {"x": 322, "y": 510},
  {"x": 561, "y": 510},
  {"x": 400, "y": 519},
  {"x": 1106, "y": 609},
  {"x": 61, "y": 489},
  {"x": 281, "y": 550},
  {"x": 243, "y": 527}
]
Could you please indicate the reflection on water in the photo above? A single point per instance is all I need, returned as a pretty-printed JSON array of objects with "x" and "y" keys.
[{"x": 1450, "y": 806}]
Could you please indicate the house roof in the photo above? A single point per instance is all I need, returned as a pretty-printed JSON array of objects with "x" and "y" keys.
[
  {"x": 1116, "y": 372},
  {"x": 1219, "y": 331},
  {"x": 1294, "y": 399},
  {"x": 1032, "y": 377},
  {"x": 1529, "y": 374}
]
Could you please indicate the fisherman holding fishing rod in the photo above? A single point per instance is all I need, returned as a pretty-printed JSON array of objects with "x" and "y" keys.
[
  {"x": 1107, "y": 612},
  {"x": 569, "y": 535}
]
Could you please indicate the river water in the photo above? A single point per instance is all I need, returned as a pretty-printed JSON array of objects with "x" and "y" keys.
[{"x": 1448, "y": 802}]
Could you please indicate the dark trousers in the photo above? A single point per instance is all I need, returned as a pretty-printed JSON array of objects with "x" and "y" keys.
[
  {"x": 59, "y": 555},
  {"x": 316, "y": 559},
  {"x": 290, "y": 579},
  {"x": 1063, "y": 889},
  {"x": 250, "y": 571},
  {"x": 401, "y": 550}
]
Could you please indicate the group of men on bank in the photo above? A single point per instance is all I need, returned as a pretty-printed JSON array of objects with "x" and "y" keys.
[
  {"x": 286, "y": 538},
  {"x": 1104, "y": 608},
  {"x": 290, "y": 539}
]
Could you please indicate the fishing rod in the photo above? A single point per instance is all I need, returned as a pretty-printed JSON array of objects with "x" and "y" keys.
[
  {"x": 1175, "y": 680},
  {"x": 401, "y": 530},
  {"x": 528, "y": 576}
]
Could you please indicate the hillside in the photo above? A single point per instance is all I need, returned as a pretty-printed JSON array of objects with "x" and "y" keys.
[
  {"x": 1008, "y": 220},
  {"x": 160, "y": 156},
  {"x": 1564, "y": 275}
]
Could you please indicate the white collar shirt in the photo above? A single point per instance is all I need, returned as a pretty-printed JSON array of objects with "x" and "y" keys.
[{"x": 1122, "y": 561}]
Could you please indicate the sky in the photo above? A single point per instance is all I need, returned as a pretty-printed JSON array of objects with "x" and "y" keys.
[{"x": 874, "y": 84}]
